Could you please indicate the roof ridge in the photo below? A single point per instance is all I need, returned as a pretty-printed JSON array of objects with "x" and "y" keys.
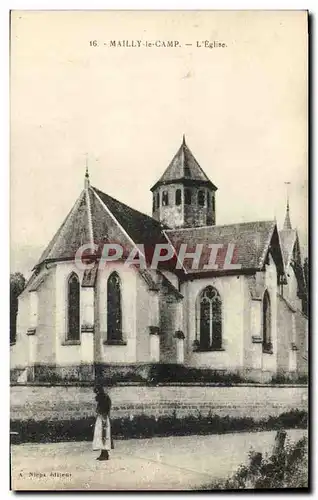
[
  {"x": 199, "y": 164},
  {"x": 263, "y": 255},
  {"x": 127, "y": 206},
  {"x": 220, "y": 225},
  {"x": 168, "y": 167},
  {"x": 113, "y": 216},
  {"x": 144, "y": 273},
  {"x": 54, "y": 240},
  {"x": 89, "y": 215}
]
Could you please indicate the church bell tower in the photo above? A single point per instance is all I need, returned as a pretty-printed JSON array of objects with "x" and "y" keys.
[{"x": 184, "y": 196}]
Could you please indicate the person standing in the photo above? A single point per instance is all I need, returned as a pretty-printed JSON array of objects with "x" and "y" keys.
[{"x": 102, "y": 439}]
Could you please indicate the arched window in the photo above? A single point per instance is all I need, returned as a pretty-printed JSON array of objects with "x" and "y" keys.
[
  {"x": 114, "y": 313},
  {"x": 165, "y": 198},
  {"x": 187, "y": 196},
  {"x": 73, "y": 308},
  {"x": 209, "y": 319},
  {"x": 213, "y": 203},
  {"x": 153, "y": 202},
  {"x": 158, "y": 199},
  {"x": 201, "y": 198},
  {"x": 267, "y": 338},
  {"x": 178, "y": 197}
]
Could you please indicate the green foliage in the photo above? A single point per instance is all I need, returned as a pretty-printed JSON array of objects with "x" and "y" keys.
[
  {"x": 143, "y": 426},
  {"x": 287, "y": 467},
  {"x": 293, "y": 419},
  {"x": 145, "y": 374},
  {"x": 17, "y": 284},
  {"x": 286, "y": 379},
  {"x": 165, "y": 373},
  {"x": 157, "y": 373}
]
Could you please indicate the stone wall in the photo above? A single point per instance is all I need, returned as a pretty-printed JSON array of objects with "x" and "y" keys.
[
  {"x": 74, "y": 402},
  {"x": 184, "y": 215}
]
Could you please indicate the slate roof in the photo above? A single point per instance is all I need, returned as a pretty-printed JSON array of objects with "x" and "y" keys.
[
  {"x": 184, "y": 167},
  {"x": 251, "y": 241},
  {"x": 141, "y": 227}
]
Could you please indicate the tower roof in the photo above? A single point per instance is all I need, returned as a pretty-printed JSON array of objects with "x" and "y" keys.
[
  {"x": 184, "y": 167},
  {"x": 287, "y": 222}
]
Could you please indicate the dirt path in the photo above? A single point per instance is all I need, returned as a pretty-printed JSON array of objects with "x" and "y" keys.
[{"x": 171, "y": 463}]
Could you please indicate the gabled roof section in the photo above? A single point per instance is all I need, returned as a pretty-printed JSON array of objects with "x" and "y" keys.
[
  {"x": 73, "y": 233},
  {"x": 98, "y": 218},
  {"x": 288, "y": 240},
  {"x": 292, "y": 256},
  {"x": 141, "y": 228},
  {"x": 184, "y": 167},
  {"x": 252, "y": 241}
]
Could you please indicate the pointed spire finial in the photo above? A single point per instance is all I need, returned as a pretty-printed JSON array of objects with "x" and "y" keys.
[
  {"x": 287, "y": 222},
  {"x": 86, "y": 181},
  {"x": 183, "y": 140}
]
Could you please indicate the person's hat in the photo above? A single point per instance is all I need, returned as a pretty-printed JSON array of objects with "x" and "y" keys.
[{"x": 98, "y": 388}]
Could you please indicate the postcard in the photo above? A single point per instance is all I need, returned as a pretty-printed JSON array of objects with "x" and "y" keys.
[{"x": 159, "y": 250}]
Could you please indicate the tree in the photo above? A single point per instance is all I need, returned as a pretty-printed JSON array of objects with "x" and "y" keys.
[{"x": 17, "y": 285}]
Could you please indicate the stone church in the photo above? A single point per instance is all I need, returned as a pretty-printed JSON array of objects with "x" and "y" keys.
[{"x": 248, "y": 321}]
